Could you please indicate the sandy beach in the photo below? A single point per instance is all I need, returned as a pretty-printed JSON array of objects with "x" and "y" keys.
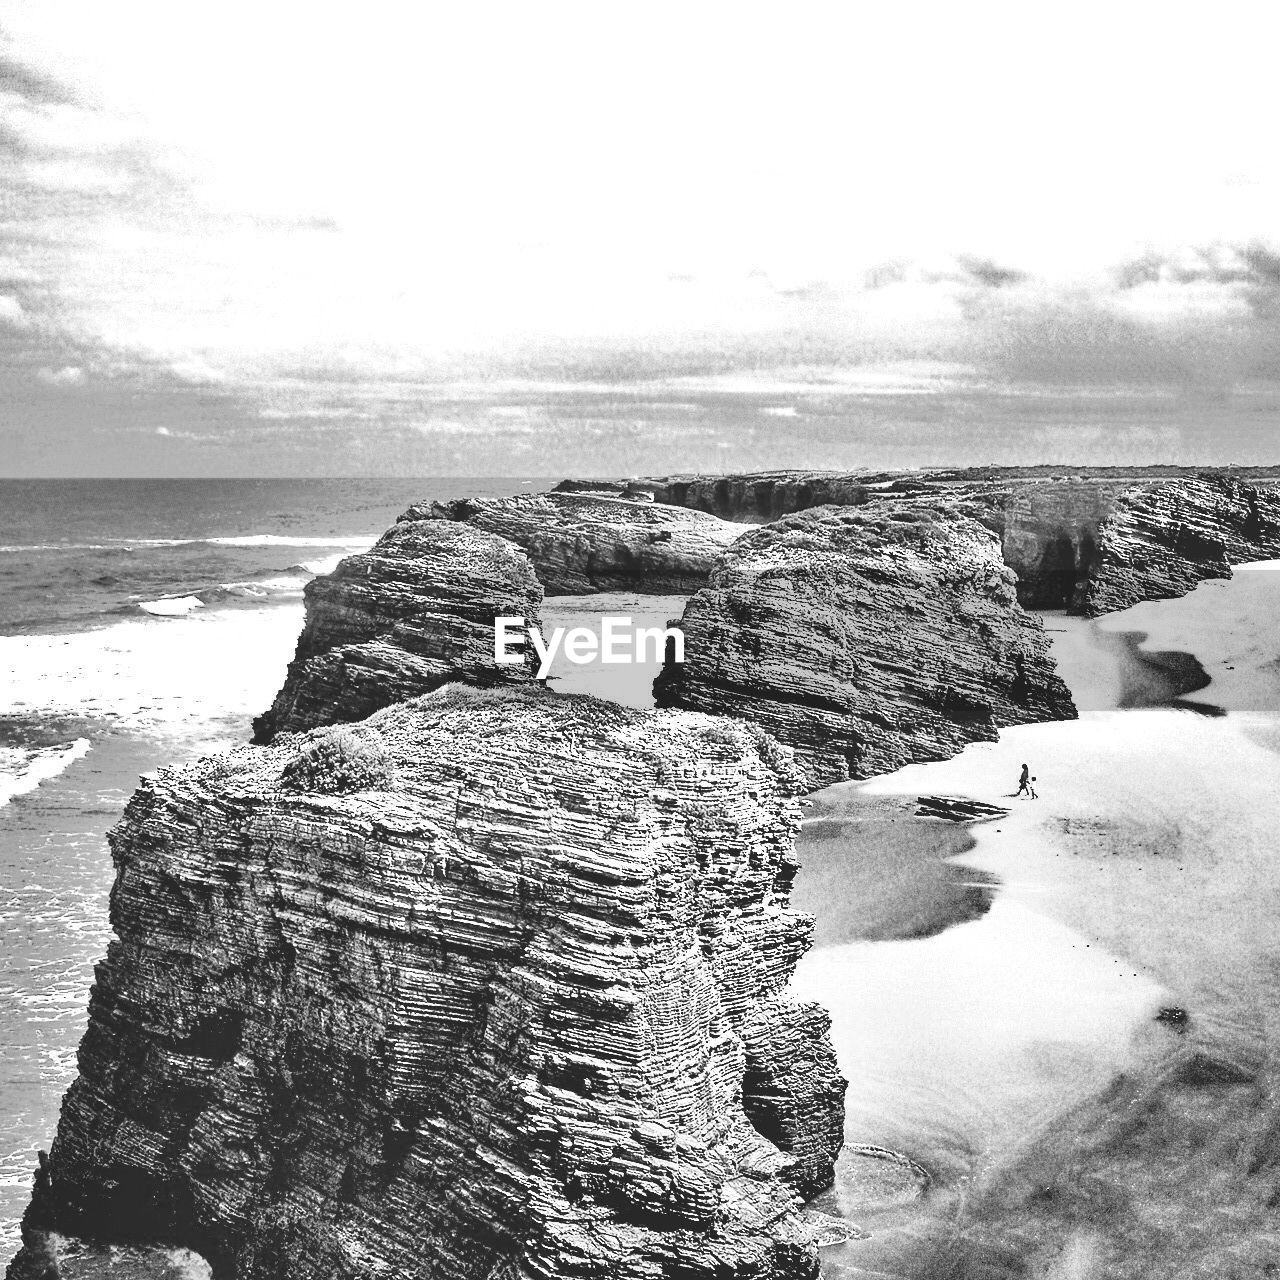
[{"x": 1085, "y": 1069}]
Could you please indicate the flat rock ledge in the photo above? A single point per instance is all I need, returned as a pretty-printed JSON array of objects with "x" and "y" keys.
[
  {"x": 413, "y": 613},
  {"x": 866, "y": 638},
  {"x": 585, "y": 542},
  {"x": 487, "y": 987}
]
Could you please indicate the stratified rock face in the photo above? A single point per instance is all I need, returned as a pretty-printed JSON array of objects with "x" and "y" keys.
[
  {"x": 760, "y": 497},
  {"x": 1049, "y": 519},
  {"x": 411, "y": 614},
  {"x": 1161, "y": 540},
  {"x": 866, "y": 638},
  {"x": 581, "y": 543},
  {"x": 468, "y": 991},
  {"x": 763, "y": 496}
]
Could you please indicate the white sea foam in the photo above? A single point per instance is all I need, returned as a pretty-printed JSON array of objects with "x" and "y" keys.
[
  {"x": 262, "y": 588},
  {"x": 281, "y": 540},
  {"x": 170, "y": 606},
  {"x": 325, "y": 565},
  {"x": 277, "y": 588},
  {"x": 23, "y": 771},
  {"x": 151, "y": 672}
]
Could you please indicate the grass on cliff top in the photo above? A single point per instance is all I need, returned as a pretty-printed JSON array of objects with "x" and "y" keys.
[{"x": 341, "y": 761}]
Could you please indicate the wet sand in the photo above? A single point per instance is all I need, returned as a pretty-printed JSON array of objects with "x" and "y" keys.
[{"x": 912, "y": 888}]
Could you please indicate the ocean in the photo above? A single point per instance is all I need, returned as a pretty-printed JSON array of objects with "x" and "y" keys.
[{"x": 141, "y": 622}]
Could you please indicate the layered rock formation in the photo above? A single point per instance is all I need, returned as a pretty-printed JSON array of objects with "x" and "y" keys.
[
  {"x": 763, "y": 496},
  {"x": 411, "y": 614},
  {"x": 583, "y": 542},
  {"x": 1050, "y": 520},
  {"x": 866, "y": 638},
  {"x": 1161, "y": 540},
  {"x": 488, "y": 986}
]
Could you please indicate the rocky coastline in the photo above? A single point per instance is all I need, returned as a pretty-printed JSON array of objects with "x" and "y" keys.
[
  {"x": 1067, "y": 534},
  {"x": 451, "y": 976}
]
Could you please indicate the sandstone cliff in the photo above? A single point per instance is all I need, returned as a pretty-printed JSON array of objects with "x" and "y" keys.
[
  {"x": 866, "y": 638},
  {"x": 583, "y": 542},
  {"x": 1050, "y": 519},
  {"x": 488, "y": 986},
  {"x": 763, "y": 496},
  {"x": 411, "y": 614},
  {"x": 1159, "y": 541}
]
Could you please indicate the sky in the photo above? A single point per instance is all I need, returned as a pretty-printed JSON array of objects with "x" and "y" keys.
[{"x": 274, "y": 238}]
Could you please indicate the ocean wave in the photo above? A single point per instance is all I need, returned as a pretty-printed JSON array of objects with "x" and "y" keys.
[
  {"x": 276, "y": 587},
  {"x": 270, "y": 586},
  {"x": 319, "y": 567},
  {"x": 57, "y": 546},
  {"x": 24, "y": 770},
  {"x": 152, "y": 673},
  {"x": 170, "y": 606},
  {"x": 283, "y": 540},
  {"x": 353, "y": 542}
]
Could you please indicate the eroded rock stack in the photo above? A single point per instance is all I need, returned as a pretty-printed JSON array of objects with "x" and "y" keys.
[
  {"x": 1160, "y": 541},
  {"x": 866, "y": 638},
  {"x": 584, "y": 542},
  {"x": 486, "y": 986},
  {"x": 411, "y": 614}
]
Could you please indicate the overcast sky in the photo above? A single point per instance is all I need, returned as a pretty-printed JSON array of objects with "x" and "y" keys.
[{"x": 268, "y": 237}]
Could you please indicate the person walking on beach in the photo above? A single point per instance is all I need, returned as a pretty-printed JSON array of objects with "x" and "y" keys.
[{"x": 1025, "y": 787}]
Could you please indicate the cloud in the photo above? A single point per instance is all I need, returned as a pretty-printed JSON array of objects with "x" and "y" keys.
[
  {"x": 196, "y": 371},
  {"x": 957, "y": 269},
  {"x": 168, "y": 433},
  {"x": 12, "y": 313},
  {"x": 270, "y": 249},
  {"x": 1254, "y": 266},
  {"x": 20, "y": 79},
  {"x": 68, "y": 376},
  {"x": 985, "y": 272}
]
